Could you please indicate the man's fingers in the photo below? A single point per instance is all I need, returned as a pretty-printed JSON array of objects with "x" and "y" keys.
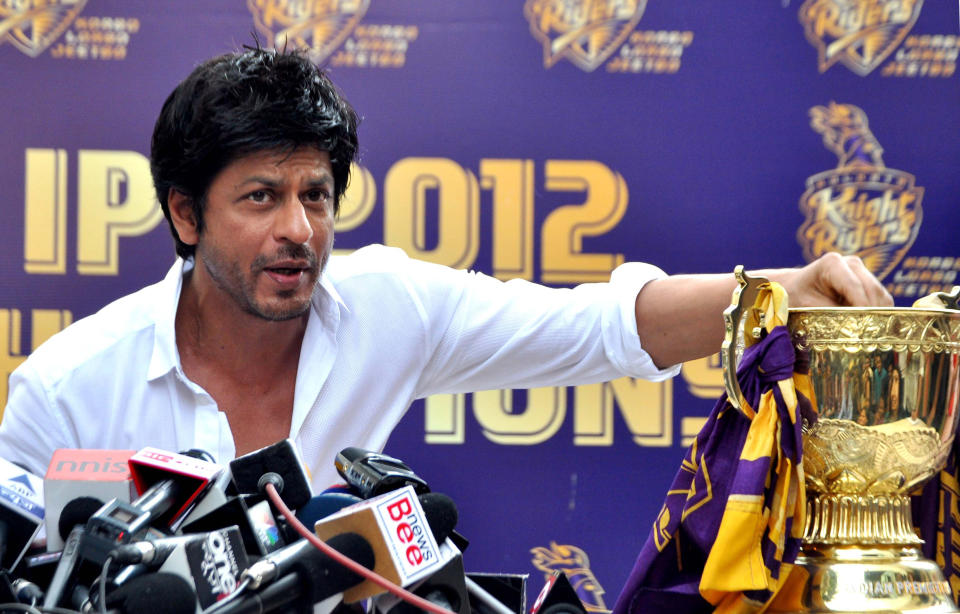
[{"x": 870, "y": 292}]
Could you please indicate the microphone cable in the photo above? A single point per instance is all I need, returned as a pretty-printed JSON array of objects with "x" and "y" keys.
[{"x": 347, "y": 562}]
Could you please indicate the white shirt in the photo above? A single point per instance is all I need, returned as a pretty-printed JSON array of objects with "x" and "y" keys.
[{"x": 382, "y": 331}]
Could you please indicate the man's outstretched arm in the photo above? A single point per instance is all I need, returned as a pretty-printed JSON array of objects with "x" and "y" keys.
[{"x": 679, "y": 318}]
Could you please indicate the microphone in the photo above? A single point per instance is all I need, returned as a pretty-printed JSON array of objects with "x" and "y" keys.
[
  {"x": 157, "y": 593},
  {"x": 325, "y": 504},
  {"x": 300, "y": 573},
  {"x": 220, "y": 490},
  {"x": 558, "y": 597},
  {"x": 26, "y": 591},
  {"x": 252, "y": 515},
  {"x": 76, "y": 511},
  {"x": 446, "y": 588},
  {"x": 21, "y": 512},
  {"x": 497, "y": 593},
  {"x": 400, "y": 531},
  {"x": 68, "y": 562},
  {"x": 281, "y": 459},
  {"x": 96, "y": 474},
  {"x": 68, "y": 568},
  {"x": 375, "y": 473},
  {"x": 169, "y": 484},
  {"x": 211, "y": 563},
  {"x": 143, "y": 557}
]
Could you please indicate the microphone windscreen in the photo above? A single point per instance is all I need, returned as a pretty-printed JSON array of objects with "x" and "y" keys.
[
  {"x": 341, "y": 488},
  {"x": 157, "y": 593},
  {"x": 441, "y": 514},
  {"x": 280, "y": 458},
  {"x": 77, "y": 511},
  {"x": 323, "y": 505},
  {"x": 327, "y": 577}
]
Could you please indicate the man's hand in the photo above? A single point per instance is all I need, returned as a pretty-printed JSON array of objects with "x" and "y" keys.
[{"x": 832, "y": 281}]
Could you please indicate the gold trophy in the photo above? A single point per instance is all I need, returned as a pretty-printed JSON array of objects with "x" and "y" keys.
[{"x": 885, "y": 382}]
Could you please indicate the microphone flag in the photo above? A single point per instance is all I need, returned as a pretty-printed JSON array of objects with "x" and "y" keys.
[
  {"x": 212, "y": 564},
  {"x": 21, "y": 511},
  {"x": 396, "y": 527},
  {"x": 151, "y": 465}
]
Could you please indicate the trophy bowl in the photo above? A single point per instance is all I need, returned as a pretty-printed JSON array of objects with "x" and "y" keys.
[{"x": 885, "y": 383}]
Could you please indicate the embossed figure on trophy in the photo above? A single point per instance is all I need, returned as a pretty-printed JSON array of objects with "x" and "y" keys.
[
  {"x": 573, "y": 562},
  {"x": 846, "y": 133}
]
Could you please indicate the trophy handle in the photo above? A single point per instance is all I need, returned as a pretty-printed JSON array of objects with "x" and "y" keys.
[
  {"x": 940, "y": 300},
  {"x": 743, "y": 302}
]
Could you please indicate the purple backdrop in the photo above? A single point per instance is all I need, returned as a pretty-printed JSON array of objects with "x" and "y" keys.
[{"x": 545, "y": 139}]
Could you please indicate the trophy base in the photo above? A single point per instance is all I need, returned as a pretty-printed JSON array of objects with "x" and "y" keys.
[{"x": 850, "y": 579}]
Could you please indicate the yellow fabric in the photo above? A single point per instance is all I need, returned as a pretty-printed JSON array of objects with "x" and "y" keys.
[{"x": 735, "y": 562}]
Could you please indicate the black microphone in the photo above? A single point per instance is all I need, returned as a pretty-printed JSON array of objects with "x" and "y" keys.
[
  {"x": 220, "y": 490},
  {"x": 18, "y": 590},
  {"x": 157, "y": 593},
  {"x": 150, "y": 552},
  {"x": 301, "y": 574},
  {"x": 26, "y": 591},
  {"x": 446, "y": 588},
  {"x": 53, "y": 569},
  {"x": 558, "y": 597},
  {"x": 66, "y": 574},
  {"x": 374, "y": 473},
  {"x": 170, "y": 485},
  {"x": 281, "y": 459},
  {"x": 210, "y": 562},
  {"x": 252, "y": 514},
  {"x": 76, "y": 511}
]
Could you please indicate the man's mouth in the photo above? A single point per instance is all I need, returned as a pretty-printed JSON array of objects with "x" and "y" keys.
[
  {"x": 288, "y": 274},
  {"x": 286, "y": 270}
]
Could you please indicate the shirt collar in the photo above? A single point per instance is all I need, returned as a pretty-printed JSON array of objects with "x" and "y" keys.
[{"x": 165, "y": 357}]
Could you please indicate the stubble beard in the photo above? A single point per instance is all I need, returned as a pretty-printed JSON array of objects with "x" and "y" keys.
[{"x": 229, "y": 278}]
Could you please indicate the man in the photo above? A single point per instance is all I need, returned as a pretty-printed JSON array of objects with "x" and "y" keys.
[{"x": 256, "y": 334}]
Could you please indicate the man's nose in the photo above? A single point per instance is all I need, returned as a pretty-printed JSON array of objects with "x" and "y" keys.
[{"x": 292, "y": 223}]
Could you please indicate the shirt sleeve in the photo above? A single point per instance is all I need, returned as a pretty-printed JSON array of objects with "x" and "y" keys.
[
  {"x": 29, "y": 432},
  {"x": 487, "y": 334}
]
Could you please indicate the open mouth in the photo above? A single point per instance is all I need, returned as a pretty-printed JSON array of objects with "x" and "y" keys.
[{"x": 286, "y": 271}]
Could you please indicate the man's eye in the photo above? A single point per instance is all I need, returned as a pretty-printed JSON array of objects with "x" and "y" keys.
[
  {"x": 258, "y": 196},
  {"x": 317, "y": 195}
]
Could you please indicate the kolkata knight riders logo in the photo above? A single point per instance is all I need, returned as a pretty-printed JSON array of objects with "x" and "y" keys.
[
  {"x": 585, "y": 32},
  {"x": 858, "y": 33},
  {"x": 862, "y": 207},
  {"x": 32, "y": 25},
  {"x": 573, "y": 562},
  {"x": 319, "y": 27}
]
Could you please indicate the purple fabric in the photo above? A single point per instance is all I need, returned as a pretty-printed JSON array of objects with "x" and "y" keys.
[{"x": 669, "y": 575}]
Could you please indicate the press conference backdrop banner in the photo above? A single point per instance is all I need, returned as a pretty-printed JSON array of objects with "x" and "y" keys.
[{"x": 548, "y": 140}]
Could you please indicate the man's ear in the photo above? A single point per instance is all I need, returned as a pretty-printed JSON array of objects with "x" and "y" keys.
[{"x": 182, "y": 216}]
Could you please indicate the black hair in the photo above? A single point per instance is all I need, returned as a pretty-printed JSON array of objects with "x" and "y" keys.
[{"x": 242, "y": 103}]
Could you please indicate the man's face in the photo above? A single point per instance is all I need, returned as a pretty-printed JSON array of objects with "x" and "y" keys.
[{"x": 268, "y": 231}]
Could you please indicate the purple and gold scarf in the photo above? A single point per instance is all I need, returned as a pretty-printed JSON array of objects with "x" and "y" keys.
[{"x": 732, "y": 521}]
